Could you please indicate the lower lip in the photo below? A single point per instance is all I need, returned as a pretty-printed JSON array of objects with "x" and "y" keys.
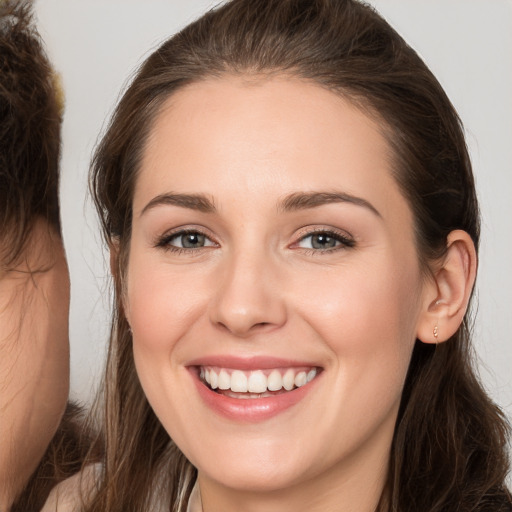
[{"x": 250, "y": 409}]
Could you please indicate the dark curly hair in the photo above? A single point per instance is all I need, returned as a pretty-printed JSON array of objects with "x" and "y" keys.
[{"x": 30, "y": 120}]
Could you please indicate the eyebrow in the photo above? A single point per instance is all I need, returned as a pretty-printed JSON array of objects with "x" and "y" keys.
[
  {"x": 306, "y": 200},
  {"x": 293, "y": 202},
  {"x": 198, "y": 202}
]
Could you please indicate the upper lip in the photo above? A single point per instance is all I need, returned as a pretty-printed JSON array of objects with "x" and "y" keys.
[{"x": 249, "y": 363}]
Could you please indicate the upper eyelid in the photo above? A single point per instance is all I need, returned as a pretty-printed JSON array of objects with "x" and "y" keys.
[
  {"x": 187, "y": 229},
  {"x": 309, "y": 230},
  {"x": 345, "y": 239},
  {"x": 175, "y": 232}
]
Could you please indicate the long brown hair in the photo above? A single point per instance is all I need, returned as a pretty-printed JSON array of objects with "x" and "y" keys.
[{"x": 450, "y": 445}]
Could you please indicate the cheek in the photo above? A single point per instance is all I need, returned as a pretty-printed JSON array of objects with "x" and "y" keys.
[
  {"x": 367, "y": 317},
  {"x": 353, "y": 301},
  {"x": 161, "y": 308},
  {"x": 161, "y": 304}
]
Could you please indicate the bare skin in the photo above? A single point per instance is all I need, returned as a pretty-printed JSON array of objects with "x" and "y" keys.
[{"x": 34, "y": 362}]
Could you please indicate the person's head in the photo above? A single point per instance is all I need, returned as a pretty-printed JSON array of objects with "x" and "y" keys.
[
  {"x": 34, "y": 284},
  {"x": 285, "y": 187},
  {"x": 31, "y": 105}
]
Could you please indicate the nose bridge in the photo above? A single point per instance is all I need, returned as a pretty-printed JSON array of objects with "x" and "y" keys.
[{"x": 248, "y": 297}]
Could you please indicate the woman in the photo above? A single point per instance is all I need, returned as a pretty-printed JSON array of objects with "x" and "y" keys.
[{"x": 289, "y": 205}]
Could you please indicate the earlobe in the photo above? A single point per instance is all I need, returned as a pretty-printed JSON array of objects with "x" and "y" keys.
[{"x": 447, "y": 296}]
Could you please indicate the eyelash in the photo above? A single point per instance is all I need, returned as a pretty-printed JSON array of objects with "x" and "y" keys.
[
  {"x": 345, "y": 242},
  {"x": 163, "y": 242}
]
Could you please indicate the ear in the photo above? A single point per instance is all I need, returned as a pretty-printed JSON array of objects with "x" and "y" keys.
[{"x": 447, "y": 295}]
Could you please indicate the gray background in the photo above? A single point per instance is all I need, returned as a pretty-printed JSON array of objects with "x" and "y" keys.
[{"x": 96, "y": 45}]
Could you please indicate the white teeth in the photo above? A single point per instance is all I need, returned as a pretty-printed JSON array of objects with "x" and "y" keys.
[
  {"x": 301, "y": 379},
  {"x": 274, "y": 381},
  {"x": 224, "y": 380},
  {"x": 289, "y": 379},
  {"x": 214, "y": 378},
  {"x": 238, "y": 382},
  {"x": 257, "y": 382}
]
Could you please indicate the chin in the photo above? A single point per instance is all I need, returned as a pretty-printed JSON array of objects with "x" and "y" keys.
[{"x": 255, "y": 477}]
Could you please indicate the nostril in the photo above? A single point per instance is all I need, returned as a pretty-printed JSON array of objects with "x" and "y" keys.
[
  {"x": 244, "y": 330},
  {"x": 242, "y": 315}
]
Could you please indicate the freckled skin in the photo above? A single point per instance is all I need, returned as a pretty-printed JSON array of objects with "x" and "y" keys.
[{"x": 260, "y": 289}]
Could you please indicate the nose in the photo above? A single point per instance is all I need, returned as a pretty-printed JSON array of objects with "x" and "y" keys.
[{"x": 248, "y": 296}]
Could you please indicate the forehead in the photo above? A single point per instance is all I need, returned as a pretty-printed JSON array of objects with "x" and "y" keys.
[{"x": 234, "y": 135}]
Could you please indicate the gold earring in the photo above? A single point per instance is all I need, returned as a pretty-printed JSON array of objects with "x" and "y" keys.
[{"x": 435, "y": 332}]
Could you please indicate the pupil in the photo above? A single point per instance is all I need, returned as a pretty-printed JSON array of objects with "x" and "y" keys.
[
  {"x": 192, "y": 240},
  {"x": 323, "y": 242}
]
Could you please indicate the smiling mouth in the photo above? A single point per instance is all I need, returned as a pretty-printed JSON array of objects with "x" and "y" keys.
[{"x": 256, "y": 383}]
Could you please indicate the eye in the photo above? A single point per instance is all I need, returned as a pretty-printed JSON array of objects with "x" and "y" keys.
[
  {"x": 185, "y": 240},
  {"x": 325, "y": 241}
]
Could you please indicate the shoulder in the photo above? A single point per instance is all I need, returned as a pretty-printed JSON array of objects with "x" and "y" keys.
[{"x": 69, "y": 495}]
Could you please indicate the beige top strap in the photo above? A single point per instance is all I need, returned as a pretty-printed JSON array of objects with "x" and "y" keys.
[{"x": 194, "y": 503}]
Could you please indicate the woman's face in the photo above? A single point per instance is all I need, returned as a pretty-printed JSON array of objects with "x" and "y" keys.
[{"x": 272, "y": 254}]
